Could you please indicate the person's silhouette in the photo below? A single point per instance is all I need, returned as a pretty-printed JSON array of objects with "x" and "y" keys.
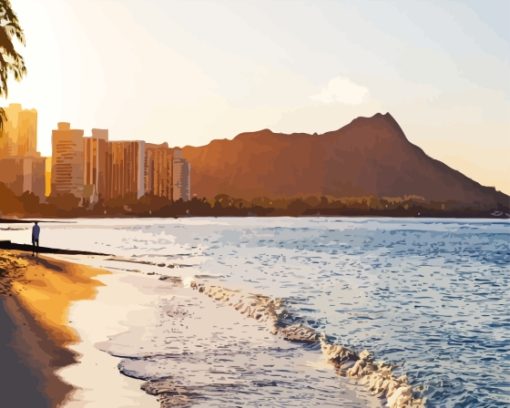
[{"x": 36, "y": 230}]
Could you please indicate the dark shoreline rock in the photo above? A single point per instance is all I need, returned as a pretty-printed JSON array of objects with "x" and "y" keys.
[{"x": 46, "y": 250}]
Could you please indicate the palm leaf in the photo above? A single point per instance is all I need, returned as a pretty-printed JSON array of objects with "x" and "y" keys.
[{"x": 11, "y": 62}]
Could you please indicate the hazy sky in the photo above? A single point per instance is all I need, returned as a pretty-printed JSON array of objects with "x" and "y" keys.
[{"x": 188, "y": 72}]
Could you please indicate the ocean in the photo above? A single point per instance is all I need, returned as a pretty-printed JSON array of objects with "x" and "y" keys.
[{"x": 430, "y": 297}]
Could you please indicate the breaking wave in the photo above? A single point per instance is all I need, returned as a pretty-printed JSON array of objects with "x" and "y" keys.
[{"x": 377, "y": 376}]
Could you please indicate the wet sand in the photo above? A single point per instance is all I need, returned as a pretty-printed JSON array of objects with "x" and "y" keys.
[
  {"x": 67, "y": 329},
  {"x": 35, "y": 296}
]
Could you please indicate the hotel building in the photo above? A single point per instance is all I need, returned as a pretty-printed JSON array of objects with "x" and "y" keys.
[
  {"x": 9, "y": 139},
  {"x": 126, "y": 169},
  {"x": 67, "y": 161},
  {"x": 47, "y": 176},
  {"x": 21, "y": 166},
  {"x": 95, "y": 162},
  {"x": 158, "y": 170},
  {"x": 27, "y": 133},
  {"x": 23, "y": 173},
  {"x": 181, "y": 177}
]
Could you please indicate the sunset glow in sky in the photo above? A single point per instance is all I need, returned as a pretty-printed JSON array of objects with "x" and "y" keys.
[{"x": 187, "y": 72}]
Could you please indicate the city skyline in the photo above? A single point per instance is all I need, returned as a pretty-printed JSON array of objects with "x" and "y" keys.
[
  {"x": 91, "y": 168},
  {"x": 190, "y": 80},
  {"x": 94, "y": 168}
]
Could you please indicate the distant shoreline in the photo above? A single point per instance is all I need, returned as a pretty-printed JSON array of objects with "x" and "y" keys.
[
  {"x": 23, "y": 220},
  {"x": 8, "y": 245},
  {"x": 66, "y": 218}
]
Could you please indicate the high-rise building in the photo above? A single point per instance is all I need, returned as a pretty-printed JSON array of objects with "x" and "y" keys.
[
  {"x": 95, "y": 165},
  {"x": 158, "y": 170},
  {"x": 126, "y": 164},
  {"x": 23, "y": 174},
  {"x": 19, "y": 133},
  {"x": 21, "y": 166},
  {"x": 9, "y": 139},
  {"x": 91, "y": 167},
  {"x": 67, "y": 161},
  {"x": 47, "y": 176},
  {"x": 181, "y": 170},
  {"x": 27, "y": 132}
]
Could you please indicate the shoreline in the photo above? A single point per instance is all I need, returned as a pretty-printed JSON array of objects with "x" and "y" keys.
[
  {"x": 56, "y": 345},
  {"x": 8, "y": 245},
  {"x": 473, "y": 215},
  {"x": 35, "y": 298},
  {"x": 185, "y": 349}
]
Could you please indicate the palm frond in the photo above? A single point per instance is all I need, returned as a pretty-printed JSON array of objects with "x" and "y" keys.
[{"x": 11, "y": 62}]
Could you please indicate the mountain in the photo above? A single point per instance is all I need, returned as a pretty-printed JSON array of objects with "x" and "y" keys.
[{"x": 369, "y": 156}]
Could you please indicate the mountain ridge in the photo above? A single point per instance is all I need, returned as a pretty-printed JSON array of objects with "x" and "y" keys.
[{"x": 370, "y": 156}]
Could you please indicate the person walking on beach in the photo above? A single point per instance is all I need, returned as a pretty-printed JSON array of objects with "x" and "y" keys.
[{"x": 36, "y": 230}]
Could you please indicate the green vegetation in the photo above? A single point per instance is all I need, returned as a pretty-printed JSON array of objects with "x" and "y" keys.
[{"x": 29, "y": 205}]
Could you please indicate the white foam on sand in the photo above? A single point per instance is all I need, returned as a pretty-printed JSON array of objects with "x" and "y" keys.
[
  {"x": 96, "y": 377},
  {"x": 191, "y": 349},
  {"x": 377, "y": 376},
  {"x": 206, "y": 354}
]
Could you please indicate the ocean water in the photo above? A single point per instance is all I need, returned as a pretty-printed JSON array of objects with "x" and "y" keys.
[{"x": 430, "y": 296}]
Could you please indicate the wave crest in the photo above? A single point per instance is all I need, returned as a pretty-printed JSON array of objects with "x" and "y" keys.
[{"x": 377, "y": 376}]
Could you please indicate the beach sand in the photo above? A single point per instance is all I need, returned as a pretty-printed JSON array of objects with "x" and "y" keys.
[
  {"x": 65, "y": 328},
  {"x": 35, "y": 296}
]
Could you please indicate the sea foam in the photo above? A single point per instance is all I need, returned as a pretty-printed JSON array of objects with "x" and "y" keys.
[{"x": 377, "y": 376}]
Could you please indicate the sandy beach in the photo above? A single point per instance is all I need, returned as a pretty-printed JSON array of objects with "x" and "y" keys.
[
  {"x": 68, "y": 329},
  {"x": 35, "y": 296}
]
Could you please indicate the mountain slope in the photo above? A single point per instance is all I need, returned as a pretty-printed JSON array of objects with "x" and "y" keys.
[{"x": 369, "y": 156}]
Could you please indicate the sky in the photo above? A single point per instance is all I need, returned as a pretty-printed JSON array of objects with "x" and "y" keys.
[{"x": 188, "y": 72}]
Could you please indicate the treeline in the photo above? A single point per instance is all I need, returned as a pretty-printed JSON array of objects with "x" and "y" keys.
[
  {"x": 407, "y": 206},
  {"x": 29, "y": 205}
]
